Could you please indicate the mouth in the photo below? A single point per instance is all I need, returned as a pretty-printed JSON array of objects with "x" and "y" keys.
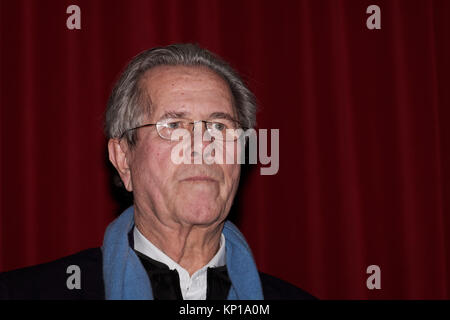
[{"x": 199, "y": 179}]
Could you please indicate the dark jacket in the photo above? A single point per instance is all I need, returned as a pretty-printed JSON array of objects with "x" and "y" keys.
[{"x": 48, "y": 281}]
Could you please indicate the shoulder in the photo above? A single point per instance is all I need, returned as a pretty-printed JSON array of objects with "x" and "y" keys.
[
  {"x": 49, "y": 280},
  {"x": 277, "y": 289}
]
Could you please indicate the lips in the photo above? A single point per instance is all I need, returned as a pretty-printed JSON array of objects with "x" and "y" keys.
[
  {"x": 190, "y": 173},
  {"x": 199, "y": 179}
]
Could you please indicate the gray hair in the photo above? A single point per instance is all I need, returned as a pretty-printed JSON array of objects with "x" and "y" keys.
[{"x": 128, "y": 103}]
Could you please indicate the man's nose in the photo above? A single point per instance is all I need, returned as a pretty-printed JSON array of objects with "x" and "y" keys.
[{"x": 198, "y": 144}]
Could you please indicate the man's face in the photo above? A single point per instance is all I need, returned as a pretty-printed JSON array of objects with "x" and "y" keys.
[{"x": 187, "y": 194}]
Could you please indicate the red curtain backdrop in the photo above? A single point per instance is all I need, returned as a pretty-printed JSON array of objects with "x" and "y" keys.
[{"x": 363, "y": 118}]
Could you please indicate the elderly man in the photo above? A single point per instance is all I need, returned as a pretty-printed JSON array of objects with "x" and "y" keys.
[{"x": 174, "y": 242}]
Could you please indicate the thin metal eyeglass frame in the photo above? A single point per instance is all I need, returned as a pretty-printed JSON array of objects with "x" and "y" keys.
[{"x": 160, "y": 123}]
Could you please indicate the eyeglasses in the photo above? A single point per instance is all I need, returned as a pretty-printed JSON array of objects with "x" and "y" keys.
[{"x": 222, "y": 129}]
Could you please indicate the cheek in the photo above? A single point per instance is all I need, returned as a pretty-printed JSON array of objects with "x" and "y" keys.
[
  {"x": 232, "y": 173},
  {"x": 153, "y": 166}
]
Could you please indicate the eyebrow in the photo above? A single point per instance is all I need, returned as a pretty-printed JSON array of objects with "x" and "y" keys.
[
  {"x": 221, "y": 115},
  {"x": 183, "y": 115},
  {"x": 173, "y": 115}
]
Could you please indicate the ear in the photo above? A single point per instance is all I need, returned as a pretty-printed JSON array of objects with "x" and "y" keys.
[{"x": 118, "y": 154}]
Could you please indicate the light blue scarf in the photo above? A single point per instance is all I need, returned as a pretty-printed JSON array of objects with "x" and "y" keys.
[{"x": 125, "y": 277}]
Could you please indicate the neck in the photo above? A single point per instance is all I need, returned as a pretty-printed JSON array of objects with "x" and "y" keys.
[{"x": 191, "y": 246}]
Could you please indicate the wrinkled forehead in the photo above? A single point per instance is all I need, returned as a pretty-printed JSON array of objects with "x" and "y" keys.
[{"x": 194, "y": 91}]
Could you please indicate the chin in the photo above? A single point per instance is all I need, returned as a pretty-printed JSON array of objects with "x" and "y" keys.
[
  {"x": 199, "y": 204},
  {"x": 199, "y": 214}
]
